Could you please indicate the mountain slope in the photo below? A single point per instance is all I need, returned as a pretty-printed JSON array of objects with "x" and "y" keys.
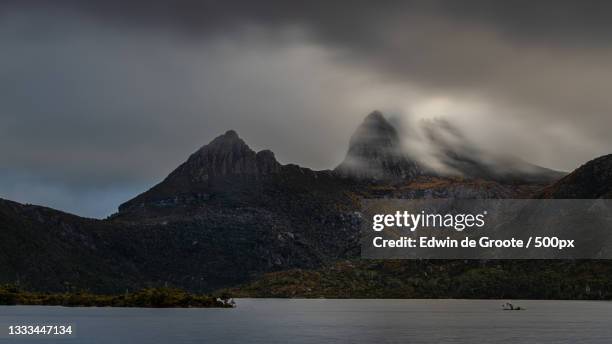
[
  {"x": 41, "y": 248},
  {"x": 531, "y": 279},
  {"x": 228, "y": 214},
  {"x": 591, "y": 180}
]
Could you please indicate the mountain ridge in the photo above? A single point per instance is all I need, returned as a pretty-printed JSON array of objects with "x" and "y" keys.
[{"x": 224, "y": 217}]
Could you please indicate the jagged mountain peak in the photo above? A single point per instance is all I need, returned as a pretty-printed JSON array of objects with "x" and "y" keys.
[
  {"x": 226, "y": 156},
  {"x": 228, "y": 142},
  {"x": 375, "y": 129},
  {"x": 229, "y": 136},
  {"x": 230, "y": 133},
  {"x": 376, "y": 117},
  {"x": 375, "y": 152}
]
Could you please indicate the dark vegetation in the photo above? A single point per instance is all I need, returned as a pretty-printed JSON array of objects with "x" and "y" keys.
[
  {"x": 540, "y": 279},
  {"x": 146, "y": 298}
]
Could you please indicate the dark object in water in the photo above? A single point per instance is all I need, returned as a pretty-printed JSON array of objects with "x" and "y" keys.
[{"x": 510, "y": 307}]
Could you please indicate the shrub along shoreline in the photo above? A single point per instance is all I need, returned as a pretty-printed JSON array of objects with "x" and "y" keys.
[{"x": 145, "y": 298}]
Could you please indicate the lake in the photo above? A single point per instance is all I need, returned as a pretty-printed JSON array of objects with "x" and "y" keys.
[{"x": 329, "y": 321}]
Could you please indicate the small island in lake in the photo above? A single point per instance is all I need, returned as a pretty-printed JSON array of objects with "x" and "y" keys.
[{"x": 145, "y": 298}]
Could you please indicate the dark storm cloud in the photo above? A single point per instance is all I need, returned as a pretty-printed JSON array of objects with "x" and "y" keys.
[
  {"x": 560, "y": 21},
  {"x": 498, "y": 45},
  {"x": 99, "y": 97}
]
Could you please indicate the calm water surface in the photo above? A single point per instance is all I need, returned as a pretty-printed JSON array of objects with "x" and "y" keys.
[{"x": 331, "y": 321}]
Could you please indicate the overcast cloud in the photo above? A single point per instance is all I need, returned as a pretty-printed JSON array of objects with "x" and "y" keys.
[{"x": 99, "y": 100}]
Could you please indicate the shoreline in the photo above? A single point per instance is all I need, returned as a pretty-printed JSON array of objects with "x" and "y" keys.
[{"x": 144, "y": 298}]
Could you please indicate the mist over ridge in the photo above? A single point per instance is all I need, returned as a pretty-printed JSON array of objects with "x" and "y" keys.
[{"x": 434, "y": 147}]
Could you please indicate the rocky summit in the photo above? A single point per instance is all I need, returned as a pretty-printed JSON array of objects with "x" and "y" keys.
[
  {"x": 375, "y": 153},
  {"x": 225, "y": 157}
]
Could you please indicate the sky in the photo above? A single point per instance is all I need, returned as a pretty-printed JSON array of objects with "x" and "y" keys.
[{"x": 100, "y": 100}]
